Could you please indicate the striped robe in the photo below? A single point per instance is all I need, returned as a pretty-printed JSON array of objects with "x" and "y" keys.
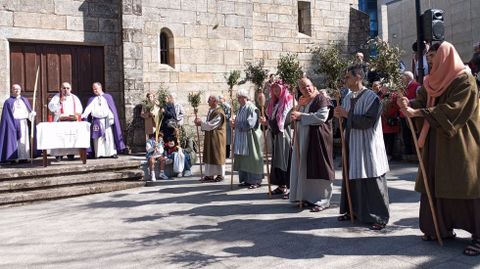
[
  {"x": 365, "y": 144},
  {"x": 367, "y": 159}
]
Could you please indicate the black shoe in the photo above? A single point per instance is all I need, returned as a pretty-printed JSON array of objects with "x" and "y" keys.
[
  {"x": 58, "y": 158},
  {"x": 115, "y": 156},
  {"x": 71, "y": 157}
]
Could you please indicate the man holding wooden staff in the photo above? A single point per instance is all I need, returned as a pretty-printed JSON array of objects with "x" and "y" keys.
[
  {"x": 367, "y": 159},
  {"x": 214, "y": 141},
  {"x": 312, "y": 172},
  {"x": 448, "y": 107}
]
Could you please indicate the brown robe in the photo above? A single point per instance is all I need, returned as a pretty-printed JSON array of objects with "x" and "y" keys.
[
  {"x": 320, "y": 146},
  {"x": 215, "y": 141},
  {"x": 456, "y": 120}
]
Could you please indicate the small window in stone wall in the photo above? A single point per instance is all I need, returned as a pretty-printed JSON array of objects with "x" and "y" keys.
[
  {"x": 304, "y": 18},
  {"x": 166, "y": 47}
]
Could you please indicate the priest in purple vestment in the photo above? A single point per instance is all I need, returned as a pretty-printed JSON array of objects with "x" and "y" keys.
[
  {"x": 14, "y": 127},
  {"x": 106, "y": 131}
]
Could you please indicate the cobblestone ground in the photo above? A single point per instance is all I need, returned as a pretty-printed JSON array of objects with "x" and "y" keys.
[{"x": 186, "y": 224}]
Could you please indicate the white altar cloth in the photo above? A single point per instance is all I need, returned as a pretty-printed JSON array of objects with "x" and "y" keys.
[{"x": 59, "y": 135}]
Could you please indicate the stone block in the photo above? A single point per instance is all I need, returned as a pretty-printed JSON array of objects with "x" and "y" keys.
[
  {"x": 22, "y": 19},
  {"x": 209, "y": 68},
  {"x": 214, "y": 57},
  {"x": 40, "y": 6},
  {"x": 132, "y": 50},
  {"x": 6, "y": 18},
  {"x": 199, "y": 43},
  {"x": 111, "y": 26},
  {"x": 71, "y": 8},
  {"x": 237, "y": 45},
  {"x": 196, "y": 30},
  {"x": 103, "y": 10},
  {"x": 195, "y": 77},
  {"x": 238, "y": 21},
  {"x": 231, "y": 57},
  {"x": 217, "y": 44},
  {"x": 226, "y": 7},
  {"x": 132, "y": 22},
  {"x": 179, "y": 16},
  {"x": 82, "y": 24},
  {"x": 132, "y": 35},
  {"x": 188, "y": 5},
  {"x": 266, "y": 45},
  {"x": 243, "y": 9},
  {"x": 187, "y": 67},
  {"x": 193, "y": 56},
  {"x": 49, "y": 21},
  {"x": 173, "y": 77}
]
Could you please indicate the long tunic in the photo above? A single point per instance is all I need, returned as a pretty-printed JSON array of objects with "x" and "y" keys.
[
  {"x": 367, "y": 159},
  {"x": 70, "y": 106},
  {"x": 451, "y": 158},
  {"x": 314, "y": 190},
  {"x": 14, "y": 129},
  {"x": 281, "y": 149},
  {"x": 214, "y": 142},
  {"x": 247, "y": 145},
  {"x": 105, "y": 145}
]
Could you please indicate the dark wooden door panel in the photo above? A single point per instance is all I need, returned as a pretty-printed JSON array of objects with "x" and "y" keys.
[{"x": 78, "y": 65}]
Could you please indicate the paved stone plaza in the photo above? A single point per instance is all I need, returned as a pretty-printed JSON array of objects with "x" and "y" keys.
[{"x": 186, "y": 224}]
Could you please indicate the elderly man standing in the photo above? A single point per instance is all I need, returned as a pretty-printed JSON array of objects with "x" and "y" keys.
[
  {"x": 367, "y": 159},
  {"x": 65, "y": 106},
  {"x": 214, "y": 142},
  {"x": 105, "y": 130},
  {"x": 14, "y": 130},
  {"x": 247, "y": 148}
]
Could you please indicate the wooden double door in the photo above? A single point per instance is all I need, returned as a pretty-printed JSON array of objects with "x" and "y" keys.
[{"x": 78, "y": 65}]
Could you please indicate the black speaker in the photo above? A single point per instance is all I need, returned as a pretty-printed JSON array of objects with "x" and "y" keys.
[{"x": 433, "y": 26}]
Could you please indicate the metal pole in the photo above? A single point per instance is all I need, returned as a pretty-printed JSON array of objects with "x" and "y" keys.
[{"x": 420, "y": 45}]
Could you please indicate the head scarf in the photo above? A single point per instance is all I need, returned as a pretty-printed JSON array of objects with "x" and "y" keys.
[
  {"x": 307, "y": 98},
  {"x": 285, "y": 103},
  {"x": 447, "y": 66}
]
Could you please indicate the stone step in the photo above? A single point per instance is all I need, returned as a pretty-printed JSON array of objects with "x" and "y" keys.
[
  {"x": 65, "y": 168},
  {"x": 56, "y": 181},
  {"x": 18, "y": 198}
]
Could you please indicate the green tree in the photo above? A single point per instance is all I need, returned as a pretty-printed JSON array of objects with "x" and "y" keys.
[
  {"x": 331, "y": 63},
  {"x": 387, "y": 64},
  {"x": 289, "y": 70}
]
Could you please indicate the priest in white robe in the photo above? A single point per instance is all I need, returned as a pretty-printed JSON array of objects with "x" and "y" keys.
[
  {"x": 65, "y": 106},
  {"x": 14, "y": 127},
  {"x": 105, "y": 129}
]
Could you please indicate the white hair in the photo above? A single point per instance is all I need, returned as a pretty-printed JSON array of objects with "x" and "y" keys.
[
  {"x": 408, "y": 74},
  {"x": 243, "y": 92}
]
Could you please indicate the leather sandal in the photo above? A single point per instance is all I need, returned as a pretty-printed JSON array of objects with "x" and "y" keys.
[{"x": 473, "y": 249}]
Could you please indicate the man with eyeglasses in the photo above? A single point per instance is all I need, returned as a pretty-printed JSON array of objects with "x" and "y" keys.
[{"x": 65, "y": 106}]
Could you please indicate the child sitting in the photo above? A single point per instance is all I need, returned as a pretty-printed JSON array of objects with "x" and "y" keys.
[
  {"x": 174, "y": 155},
  {"x": 155, "y": 153}
]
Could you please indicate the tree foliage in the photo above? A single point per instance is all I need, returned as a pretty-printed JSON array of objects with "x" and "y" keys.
[
  {"x": 387, "y": 64},
  {"x": 232, "y": 78},
  {"x": 289, "y": 70},
  {"x": 331, "y": 63},
  {"x": 256, "y": 73}
]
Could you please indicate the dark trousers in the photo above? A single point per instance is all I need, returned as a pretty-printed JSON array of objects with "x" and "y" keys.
[{"x": 408, "y": 146}]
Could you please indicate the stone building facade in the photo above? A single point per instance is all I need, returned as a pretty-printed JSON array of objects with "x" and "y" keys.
[
  {"x": 462, "y": 23},
  {"x": 184, "y": 45}
]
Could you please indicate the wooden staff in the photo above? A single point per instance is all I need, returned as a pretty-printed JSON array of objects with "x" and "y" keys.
[
  {"x": 297, "y": 146},
  {"x": 232, "y": 138},
  {"x": 346, "y": 181},
  {"x": 32, "y": 121},
  {"x": 261, "y": 102},
  {"x": 424, "y": 176},
  {"x": 195, "y": 111}
]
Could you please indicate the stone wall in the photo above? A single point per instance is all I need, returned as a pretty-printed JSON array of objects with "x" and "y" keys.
[
  {"x": 462, "y": 24},
  {"x": 66, "y": 22},
  {"x": 212, "y": 37}
]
